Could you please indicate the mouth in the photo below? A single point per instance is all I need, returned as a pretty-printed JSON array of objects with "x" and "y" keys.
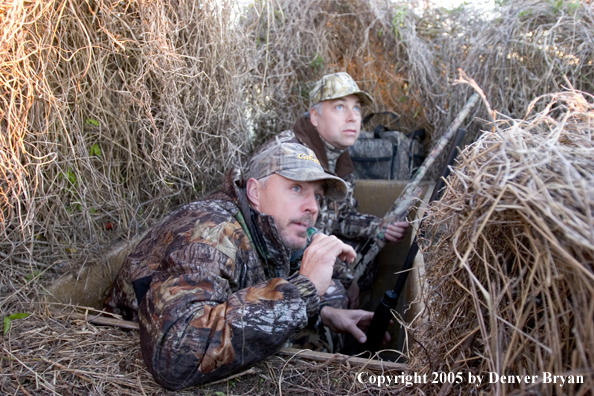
[{"x": 302, "y": 224}]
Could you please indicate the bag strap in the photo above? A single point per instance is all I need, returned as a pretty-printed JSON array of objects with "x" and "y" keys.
[
  {"x": 419, "y": 134},
  {"x": 380, "y": 128}
]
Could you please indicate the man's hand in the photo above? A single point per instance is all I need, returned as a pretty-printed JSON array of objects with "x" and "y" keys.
[
  {"x": 319, "y": 258},
  {"x": 354, "y": 321},
  {"x": 395, "y": 231}
]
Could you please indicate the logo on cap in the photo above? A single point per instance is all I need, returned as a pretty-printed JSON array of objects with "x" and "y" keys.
[{"x": 308, "y": 157}]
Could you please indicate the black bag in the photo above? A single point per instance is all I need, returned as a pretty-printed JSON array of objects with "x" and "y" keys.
[{"x": 389, "y": 155}]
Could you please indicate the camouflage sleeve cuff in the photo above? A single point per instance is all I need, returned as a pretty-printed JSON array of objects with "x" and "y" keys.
[
  {"x": 308, "y": 292},
  {"x": 374, "y": 226}
]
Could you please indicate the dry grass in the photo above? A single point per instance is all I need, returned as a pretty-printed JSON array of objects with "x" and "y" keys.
[
  {"x": 113, "y": 112},
  {"x": 409, "y": 61},
  {"x": 510, "y": 253},
  {"x": 53, "y": 353}
]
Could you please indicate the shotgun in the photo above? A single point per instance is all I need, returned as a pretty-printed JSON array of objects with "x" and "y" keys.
[
  {"x": 383, "y": 315},
  {"x": 400, "y": 208}
]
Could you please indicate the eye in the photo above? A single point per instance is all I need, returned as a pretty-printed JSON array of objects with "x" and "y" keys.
[
  {"x": 339, "y": 107},
  {"x": 296, "y": 188},
  {"x": 319, "y": 198},
  {"x": 357, "y": 109}
]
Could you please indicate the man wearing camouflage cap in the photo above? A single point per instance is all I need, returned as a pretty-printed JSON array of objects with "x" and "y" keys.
[
  {"x": 333, "y": 125},
  {"x": 211, "y": 285}
]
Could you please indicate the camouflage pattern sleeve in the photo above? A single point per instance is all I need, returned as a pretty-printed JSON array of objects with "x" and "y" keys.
[
  {"x": 343, "y": 272},
  {"x": 335, "y": 296},
  {"x": 197, "y": 325},
  {"x": 350, "y": 223}
]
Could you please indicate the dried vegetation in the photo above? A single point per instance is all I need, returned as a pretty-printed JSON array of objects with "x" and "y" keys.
[
  {"x": 511, "y": 289},
  {"x": 113, "y": 112}
]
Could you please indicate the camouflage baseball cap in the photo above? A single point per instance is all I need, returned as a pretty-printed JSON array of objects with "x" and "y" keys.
[
  {"x": 337, "y": 85},
  {"x": 295, "y": 162}
]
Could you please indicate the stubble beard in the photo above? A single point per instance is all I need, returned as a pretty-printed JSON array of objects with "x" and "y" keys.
[{"x": 288, "y": 240}]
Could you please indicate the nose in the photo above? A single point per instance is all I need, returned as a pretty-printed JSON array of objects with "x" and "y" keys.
[
  {"x": 310, "y": 204},
  {"x": 352, "y": 115}
]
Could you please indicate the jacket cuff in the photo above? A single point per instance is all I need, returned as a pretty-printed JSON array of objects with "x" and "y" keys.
[{"x": 308, "y": 293}]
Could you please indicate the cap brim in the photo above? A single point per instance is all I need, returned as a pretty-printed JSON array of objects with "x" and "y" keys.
[
  {"x": 363, "y": 96},
  {"x": 336, "y": 187}
]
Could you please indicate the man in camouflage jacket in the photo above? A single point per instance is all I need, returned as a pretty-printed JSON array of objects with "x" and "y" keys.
[
  {"x": 331, "y": 127},
  {"x": 211, "y": 285}
]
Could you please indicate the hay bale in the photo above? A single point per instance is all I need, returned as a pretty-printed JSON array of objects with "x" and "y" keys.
[
  {"x": 509, "y": 252},
  {"x": 407, "y": 54}
]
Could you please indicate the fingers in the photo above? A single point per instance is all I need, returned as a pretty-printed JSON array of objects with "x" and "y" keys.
[
  {"x": 319, "y": 258},
  {"x": 358, "y": 334},
  {"x": 395, "y": 232},
  {"x": 329, "y": 244},
  {"x": 365, "y": 319},
  {"x": 348, "y": 253},
  {"x": 360, "y": 324}
]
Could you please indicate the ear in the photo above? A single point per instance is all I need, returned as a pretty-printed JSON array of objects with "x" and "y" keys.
[
  {"x": 313, "y": 116},
  {"x": 252, "y": 190}
]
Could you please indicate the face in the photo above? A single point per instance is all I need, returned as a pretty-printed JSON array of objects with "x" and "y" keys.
[
  {"x": 293, "y": 204},
  {"x": 340, "y": 121}
]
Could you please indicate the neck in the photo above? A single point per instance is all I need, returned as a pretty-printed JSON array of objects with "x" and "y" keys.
[{"x": 332, "y": 153}]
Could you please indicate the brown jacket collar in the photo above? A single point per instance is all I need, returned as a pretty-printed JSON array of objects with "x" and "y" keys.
[{"x": 308, "y": 135}]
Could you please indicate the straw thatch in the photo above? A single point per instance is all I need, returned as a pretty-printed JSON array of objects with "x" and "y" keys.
[
  {"x": 113, "y": 112},
  {"x": 510, "y": 253},
  {"x": 110, "y": 111}
]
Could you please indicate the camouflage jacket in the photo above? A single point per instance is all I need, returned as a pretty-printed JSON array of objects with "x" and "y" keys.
[
  {"x": 338, "y": 218},
  {"x": 215, "y": 292}
]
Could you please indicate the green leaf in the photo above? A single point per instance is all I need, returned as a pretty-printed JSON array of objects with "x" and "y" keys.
[
  {"x": 18, "y": 316},
  {"x": 95, "y": 150},
  {"x": 32, "y": 276},
  {"x": 400, "y": 14},
  {"x": 92, "y": 122},
  {"x": 71, "y": 176},
  {"x": 8, "y": 320},
  {"x": 317, "y": 63},
  {"x": 218, "y": 393}
]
